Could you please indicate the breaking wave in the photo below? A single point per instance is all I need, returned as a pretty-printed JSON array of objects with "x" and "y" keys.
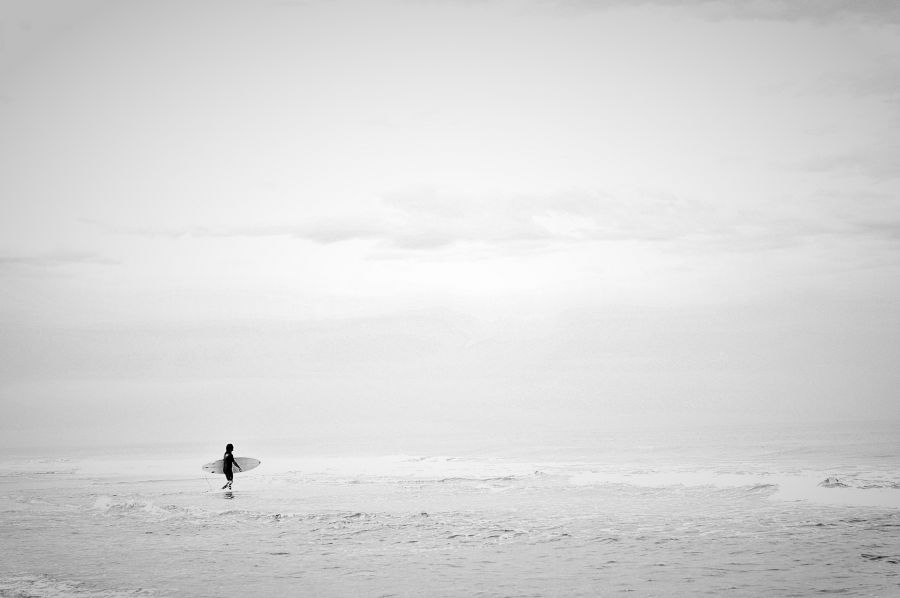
[{"x": 115, "y": 507}]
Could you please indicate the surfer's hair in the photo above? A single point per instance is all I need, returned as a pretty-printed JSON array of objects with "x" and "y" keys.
[{"x": 229, "y": 447}]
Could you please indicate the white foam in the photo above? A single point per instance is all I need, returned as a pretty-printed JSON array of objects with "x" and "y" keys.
[
  {"x": 808, "y": 488},
  {"x": 109, "y": 506},
  {"x": 409, "y": 467},
  {"x": 667, "y": 479}
]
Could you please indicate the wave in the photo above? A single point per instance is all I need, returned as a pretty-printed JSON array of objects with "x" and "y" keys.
[
  {"x": 859, "y": 483},
  {"x": 25, "y": 473},
  {"x": 480, "y": 480},
  {"x": 663, "y": 480},
  {"x": 109, "y": 506},
  {"x": 25, "y": 586},
  {"x": 892, "y": 559},
  {"x": 879, "y": 485}
]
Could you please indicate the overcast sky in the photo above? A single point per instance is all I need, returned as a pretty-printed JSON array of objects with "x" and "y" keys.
[{"x": 233, "y": 219}]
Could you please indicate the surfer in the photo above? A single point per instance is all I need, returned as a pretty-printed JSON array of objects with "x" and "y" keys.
[{"x": 229, "y": 462}]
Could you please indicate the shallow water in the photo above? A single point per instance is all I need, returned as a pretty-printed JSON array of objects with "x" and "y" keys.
[{"x": 741, "y": 513}]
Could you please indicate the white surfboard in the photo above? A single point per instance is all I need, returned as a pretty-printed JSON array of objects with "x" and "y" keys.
[{"x": 245, "y": 464}]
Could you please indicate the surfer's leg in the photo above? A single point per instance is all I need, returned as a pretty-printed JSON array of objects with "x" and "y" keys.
[{"x": 228, "y": 476}]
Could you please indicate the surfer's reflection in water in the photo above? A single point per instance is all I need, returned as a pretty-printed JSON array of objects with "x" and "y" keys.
[{"x": 229, "y": 463}]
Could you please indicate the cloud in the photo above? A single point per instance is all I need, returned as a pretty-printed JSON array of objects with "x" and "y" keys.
[
  {"x": 878, "y": 79},
  {"x": 817, "y": 11},
  {"x": 877, "y": 162},
  {"x": 888, "y": 229},
  {"x": 562, "y": 217},
  {"x": 324, "y": 232},
  {"x": 811, "y": 11},
  {"x": 55, "y": 259},
  {"x": 27, "y": 25},
  {"x": 427, "y": 219},
  {"x": 525, "y": 223}
]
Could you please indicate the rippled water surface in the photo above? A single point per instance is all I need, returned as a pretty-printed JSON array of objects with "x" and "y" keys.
[{"x": 787, "y": 513}]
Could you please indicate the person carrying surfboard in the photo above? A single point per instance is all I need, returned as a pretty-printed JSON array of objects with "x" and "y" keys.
[{"x": 229, "y": 462}]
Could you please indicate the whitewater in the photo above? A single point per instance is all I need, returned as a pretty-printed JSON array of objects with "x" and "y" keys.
[{"x": 738, "y": 511}]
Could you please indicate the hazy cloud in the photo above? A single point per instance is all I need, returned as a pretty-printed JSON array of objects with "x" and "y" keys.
[
  {"x": 877, "y": 162},
  {"x": 814, "y": 11},
  {"x": 579, "y": 217},
  {"x": 424, "y": 218},
  {"x": 880, "y": 79},
  {"x": 28, "y": 25},
  {"x": 55, "y": 259},
  {"x": 889, "y": 229},
  {"x": 444, "y": 218},
  {"x": 255, "y": 165},
  {"x": 434, "y": 220},
  {"x": 427, "y": 219},
  {"x": 325, "y": 232}
]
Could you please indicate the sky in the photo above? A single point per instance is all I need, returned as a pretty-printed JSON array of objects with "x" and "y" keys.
[{"x": 240, "y": 219}]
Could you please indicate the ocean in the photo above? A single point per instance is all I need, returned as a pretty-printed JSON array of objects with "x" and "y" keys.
[{"x": 764, "y": 510}]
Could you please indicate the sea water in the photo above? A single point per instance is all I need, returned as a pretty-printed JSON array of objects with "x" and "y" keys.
[{"x": 739, "y": 511}]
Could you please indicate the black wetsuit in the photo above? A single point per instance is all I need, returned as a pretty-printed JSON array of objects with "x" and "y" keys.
[{"x": 226, "y": 467}]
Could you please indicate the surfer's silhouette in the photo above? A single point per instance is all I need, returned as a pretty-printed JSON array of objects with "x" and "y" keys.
[{"x": 229, "y": 462}]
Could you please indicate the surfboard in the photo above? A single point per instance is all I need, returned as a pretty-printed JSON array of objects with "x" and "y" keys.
[{"x": 245, "y": 464}]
